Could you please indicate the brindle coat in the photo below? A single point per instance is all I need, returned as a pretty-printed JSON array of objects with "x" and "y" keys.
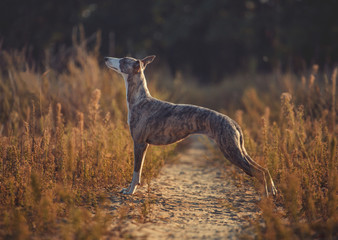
[{"x": 157, "y": 122}]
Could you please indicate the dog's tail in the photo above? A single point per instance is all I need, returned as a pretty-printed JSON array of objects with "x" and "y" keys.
[{"x": 233, "y": 150}]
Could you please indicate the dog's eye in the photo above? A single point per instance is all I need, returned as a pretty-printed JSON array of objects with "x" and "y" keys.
[
  {"x": 137, "y": 67},
  {"x": 137, "y": 64}
]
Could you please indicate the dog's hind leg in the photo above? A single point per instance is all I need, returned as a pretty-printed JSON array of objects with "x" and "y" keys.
[
  {"x": 242, "y": 161},
  {"x": 139, "y": 155},
  {"x": 233, "y": 149},
  {"x": 259, "y": 172}
]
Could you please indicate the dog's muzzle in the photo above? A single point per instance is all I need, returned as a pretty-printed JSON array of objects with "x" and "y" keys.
[{"x": 113, "y": 63}]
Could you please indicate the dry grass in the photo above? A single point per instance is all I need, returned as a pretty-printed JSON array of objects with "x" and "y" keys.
[
  {"x": 64, "y": 143},
  {"x": 289, "y": 125},
  {"x": 299, "y": 148}
]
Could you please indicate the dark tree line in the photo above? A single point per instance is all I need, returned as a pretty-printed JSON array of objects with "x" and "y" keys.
[{"x": 211, "y": 38}]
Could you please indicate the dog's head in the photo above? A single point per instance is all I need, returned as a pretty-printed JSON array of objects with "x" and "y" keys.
[{"x": 128, "y": 65}]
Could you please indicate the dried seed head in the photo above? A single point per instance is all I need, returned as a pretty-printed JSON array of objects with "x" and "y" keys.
[
  {"x": 58, "y": 115},
  {"x": 311, "y": 80},
  {"x": 80, "y": 121},
  {"x": 315, "y": 68},
  {"x": 96, "y": 98},
  {"x": 286, "y": 97}
]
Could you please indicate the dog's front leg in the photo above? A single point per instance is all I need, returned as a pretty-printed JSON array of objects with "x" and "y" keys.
[{"x": 139, "y": 154}]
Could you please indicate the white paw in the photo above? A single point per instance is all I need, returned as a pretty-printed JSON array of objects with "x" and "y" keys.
[
  {"x": 128, "y": 191},
  {"x": 133, "y": 185}
]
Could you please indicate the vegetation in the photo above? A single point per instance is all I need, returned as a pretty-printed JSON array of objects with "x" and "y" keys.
[
  {"x": 289, "y": 123},
  {"x": 64, "y": 144},
  {"x": 300, "y": 150}
]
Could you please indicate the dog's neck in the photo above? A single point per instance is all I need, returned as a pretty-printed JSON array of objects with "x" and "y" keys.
[{"x": 136, "y": 89}]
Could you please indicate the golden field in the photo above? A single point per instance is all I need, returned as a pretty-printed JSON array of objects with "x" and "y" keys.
[{"x": 65, "y": 144}]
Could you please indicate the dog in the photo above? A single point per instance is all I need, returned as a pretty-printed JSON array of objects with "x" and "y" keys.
[{"x": 152, "y": 121}]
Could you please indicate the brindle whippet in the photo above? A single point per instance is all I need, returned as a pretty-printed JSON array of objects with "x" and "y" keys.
[{"x": 152, "y": 121}]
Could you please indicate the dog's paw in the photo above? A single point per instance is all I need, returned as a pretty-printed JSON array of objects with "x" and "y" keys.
[
  {"x": 124, "y": 190},
  {"x": 128, "y": 191}
]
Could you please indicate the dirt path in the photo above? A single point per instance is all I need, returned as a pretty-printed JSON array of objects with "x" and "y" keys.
[{"x": 191, "y": 199}]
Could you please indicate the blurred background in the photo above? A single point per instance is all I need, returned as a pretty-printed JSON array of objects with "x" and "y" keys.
[{"x": 208, "y": 39}]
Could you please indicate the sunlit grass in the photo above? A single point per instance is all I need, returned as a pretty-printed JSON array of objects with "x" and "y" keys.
[
  {"x": 64, "y": 142},
  {"x": 290, "y": 127}
]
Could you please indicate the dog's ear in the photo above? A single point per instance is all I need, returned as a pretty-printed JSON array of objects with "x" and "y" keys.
[{"x": 147, "y": 60}]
